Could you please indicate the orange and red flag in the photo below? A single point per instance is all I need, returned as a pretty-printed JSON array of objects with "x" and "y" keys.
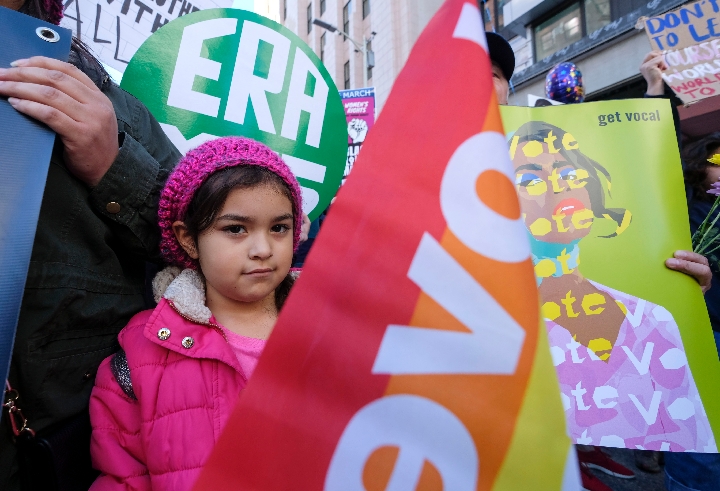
[{"x": 411, "y": 354}]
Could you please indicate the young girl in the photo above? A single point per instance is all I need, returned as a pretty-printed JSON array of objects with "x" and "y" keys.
[{"x": 230, "y": 217}]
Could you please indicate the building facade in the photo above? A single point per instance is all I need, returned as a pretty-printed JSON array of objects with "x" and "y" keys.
[
  {"x": 389, "y": 29},
  {"x": 605, "y": 38},
  {"x": 600, "y": 36}
]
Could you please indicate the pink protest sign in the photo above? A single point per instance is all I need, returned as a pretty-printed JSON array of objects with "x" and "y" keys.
[{"x": 359, "y": 107}]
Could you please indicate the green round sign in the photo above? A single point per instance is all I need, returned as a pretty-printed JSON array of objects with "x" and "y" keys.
[{"x": 223, "y": 72}]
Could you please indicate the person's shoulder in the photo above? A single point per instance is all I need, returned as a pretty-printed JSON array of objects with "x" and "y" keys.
[
  {"x": 139, "y": 319},
  {"x": 132, "y": 336},
  {"x": 639, "y": 311},
  {"x": 142, "y": 337},
  {"x": 135, "y": 351},
  {"x": 625, "y": 300}
]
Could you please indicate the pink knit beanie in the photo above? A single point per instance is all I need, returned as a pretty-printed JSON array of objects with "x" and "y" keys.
[
  {"x": 196, "y": 167},
  {"x": 54, "y": 10}
]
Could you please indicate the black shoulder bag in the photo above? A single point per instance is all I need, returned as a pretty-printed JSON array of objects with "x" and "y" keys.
[{"x": 56, "y": 458}]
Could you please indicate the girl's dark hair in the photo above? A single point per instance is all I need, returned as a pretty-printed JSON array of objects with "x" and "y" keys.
[
  {"x": 80, "y": 54},
  {"x": 695, "y": 165},
  {"x": 539, "y": 131},
  {"x": 212, "y": 194}
]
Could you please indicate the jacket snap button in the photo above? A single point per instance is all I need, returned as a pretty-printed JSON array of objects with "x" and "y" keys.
[
  {"x": 113, "y": 207},
  {"x": 188, "y": 342},
  {"x": 163, "y": 334},
  {"x": 88, "y": 375}
]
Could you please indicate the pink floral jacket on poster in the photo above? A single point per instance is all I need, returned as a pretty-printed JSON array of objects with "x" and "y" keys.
[{"x": 158, "y": 406}]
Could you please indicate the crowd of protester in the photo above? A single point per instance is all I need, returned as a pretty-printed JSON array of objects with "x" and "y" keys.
[{"x": 113, "y": 212}]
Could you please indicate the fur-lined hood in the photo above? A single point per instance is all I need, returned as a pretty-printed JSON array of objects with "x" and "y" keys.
[{"x": 185, "y": 290}]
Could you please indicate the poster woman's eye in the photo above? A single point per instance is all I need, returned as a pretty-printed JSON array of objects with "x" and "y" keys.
[
  {"x": 533, "y": 184},
  {"x": 527, "y": 179},
  {"x": 568, "y": 174}
]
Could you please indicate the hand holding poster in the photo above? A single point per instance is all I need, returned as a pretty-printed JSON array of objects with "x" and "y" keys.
[
  {"x": 602, "y": 196},
  {"x": 690, "y": 38},
  {"x": 410, "y": 354}
]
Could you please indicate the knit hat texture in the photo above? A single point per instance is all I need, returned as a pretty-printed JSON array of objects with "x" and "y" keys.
[
  {"x": 54, "y": 10},
  {"x": 192, "y": 171}
]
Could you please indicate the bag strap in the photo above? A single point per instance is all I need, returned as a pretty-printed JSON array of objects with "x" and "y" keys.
[{"x": 18, "y": 422}]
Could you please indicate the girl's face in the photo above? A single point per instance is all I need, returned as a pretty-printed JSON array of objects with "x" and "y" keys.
[
  {"x": 555, "y": 204},
  {"x": 248, "y": 251}
]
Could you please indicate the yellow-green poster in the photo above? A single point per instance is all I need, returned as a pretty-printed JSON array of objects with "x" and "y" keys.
[{"x": 602, "y": 197}]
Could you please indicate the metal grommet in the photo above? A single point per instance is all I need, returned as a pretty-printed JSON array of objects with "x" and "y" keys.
[
  {"x": 163, "y": 334},
  {"x": 188, "y": 342},
  {"x": 88, "y": 375},
  {"x": 47, "y": 34}
]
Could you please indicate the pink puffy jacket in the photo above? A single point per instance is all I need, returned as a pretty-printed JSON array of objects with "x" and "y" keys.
[{"x": 158, "y": 406}]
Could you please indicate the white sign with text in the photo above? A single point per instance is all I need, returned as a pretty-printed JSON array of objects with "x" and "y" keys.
[{"x": 115, "y": 29}]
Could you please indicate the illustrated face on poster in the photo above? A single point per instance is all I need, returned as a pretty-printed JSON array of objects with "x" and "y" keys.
[
  {"x": 620, "y": 358},
  {"x": 561, "y": 193}
]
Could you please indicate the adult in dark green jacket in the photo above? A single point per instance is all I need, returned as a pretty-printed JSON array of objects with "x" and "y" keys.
[{"x": 97, "y": 227}]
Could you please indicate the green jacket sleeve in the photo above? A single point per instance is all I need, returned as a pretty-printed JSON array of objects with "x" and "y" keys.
[{"x": 128, "y": 194}]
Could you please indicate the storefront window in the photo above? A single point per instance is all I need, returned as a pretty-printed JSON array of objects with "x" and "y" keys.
[
  {"x": 346, "y": 17},
  {"x": 322, "y": 47},
  {"x": 309, "y": 18},
  {"x": 597, "y": 14},
  {"x": 369, "y": 52},
  {"x": 559, "y": 31}
]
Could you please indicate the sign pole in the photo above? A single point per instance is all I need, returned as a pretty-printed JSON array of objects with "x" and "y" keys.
[{"x": 365, "y": 62}]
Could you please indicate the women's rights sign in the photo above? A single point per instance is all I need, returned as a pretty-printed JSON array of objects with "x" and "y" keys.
[
  {"x": 359, "y": 107},
  {"x": 602, "y": 200},
  {"x": 690, "y": 39}
]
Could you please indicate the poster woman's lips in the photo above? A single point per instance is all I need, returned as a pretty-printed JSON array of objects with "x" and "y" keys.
[{"x": 568, "y": 207}]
